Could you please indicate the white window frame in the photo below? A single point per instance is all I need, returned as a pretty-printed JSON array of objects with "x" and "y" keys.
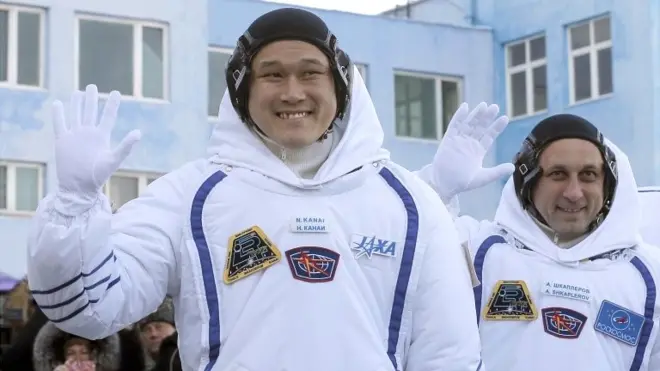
[
  {"x": 439, "y": 78},
  {"x": 11, "y": 185},
  {"x": 141, "y": 177},
  {"x": 137, "y": 54},
  {"x": 216, "y": 49},
  {"x": 12, "y": 47},
  {"x": 528, "y": 67},
  {"x": 592, "y": 50}
]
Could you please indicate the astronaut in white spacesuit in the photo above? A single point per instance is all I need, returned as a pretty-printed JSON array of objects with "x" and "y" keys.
[
  {"x": 566, "y": 281},
  {"x": 296, "y": 244},
  {"x": 650, "y": 200}
]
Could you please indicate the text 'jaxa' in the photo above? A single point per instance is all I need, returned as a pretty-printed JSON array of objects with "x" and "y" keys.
[{"x": 371, "y": 245}]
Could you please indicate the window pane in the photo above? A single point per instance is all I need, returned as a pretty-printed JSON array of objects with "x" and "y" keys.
[
  {"x": 537, "y": 48},
  {"x": 429, "y": 109},
  {"x": 152, "y": 62},
  {"x": 106, "y": 56},
  {"x": 401, "y": 97},
  {"x": 605, "y": 71},
  {"x": 122, "y": 190},
  {"x": 402, "y": 121},
  {"x": 539, "y": 81},
  {"x": 217, "y": 81},
  {"x": 27, "y": 188},
  {"x": 3, "y": 187},
  {"x": 415, "y": 122},
  {"x": 517, "y": 54},
  {"x": 518, "y": 94},
  {"x": 580, "y": 36},
  {"x": 602, "y": 30},
  {"x": 416, "y": 106},
  {"x": 4, "y": 44},
  {"x": 29, "y": 35},
  {"x": 450, "y": 102},
  {"x": 582, "y": 77}
]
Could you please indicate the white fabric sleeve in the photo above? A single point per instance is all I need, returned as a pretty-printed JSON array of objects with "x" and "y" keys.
[
  {"x": 93, "y": 273},
  {"x": 445, "y": 335},
  {"x": 654, "y": 358},
  {"x": 467, "y": 226}
]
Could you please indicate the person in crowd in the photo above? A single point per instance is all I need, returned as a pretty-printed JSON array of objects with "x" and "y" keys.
[
  {"x": 168, "y": 355},
  {"x": 155, "y": 328},
  {"x": 56, "y": 350}
]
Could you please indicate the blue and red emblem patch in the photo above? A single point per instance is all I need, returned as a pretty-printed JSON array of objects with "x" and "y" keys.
[
  {"x": 312, "y": 263},
  {"x": 563, "y": 322}
]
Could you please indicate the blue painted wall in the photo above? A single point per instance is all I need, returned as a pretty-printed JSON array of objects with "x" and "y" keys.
[
  {"x": 177, "y": 131},
  {"x": 627, "y": 116},
  {"x": 173, "y": 132}
]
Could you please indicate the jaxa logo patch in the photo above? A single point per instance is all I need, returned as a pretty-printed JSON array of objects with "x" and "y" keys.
[
  {"x": 563, "y": 323},
  {"x": 510, "y": 301},
  {"x": 312, "y": 263},
  {"x": 248, "y": 252},
  {"x": 369, "y": 246},
  {"x": 620, "y": 323}
]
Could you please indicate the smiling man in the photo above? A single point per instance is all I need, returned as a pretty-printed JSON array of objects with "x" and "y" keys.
[
  {"x": 295, "y": 245},
  {"x": 562, "y": 268}
]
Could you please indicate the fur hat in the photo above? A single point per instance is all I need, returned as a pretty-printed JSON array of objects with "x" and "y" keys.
[
  {"x": 164, "y": 313},
  {"x": 49, "y": 345}
]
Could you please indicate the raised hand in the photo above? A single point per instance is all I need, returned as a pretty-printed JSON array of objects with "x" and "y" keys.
[
  {"x": 83, "y": 155},
  {"x": 458, "y": 162}
]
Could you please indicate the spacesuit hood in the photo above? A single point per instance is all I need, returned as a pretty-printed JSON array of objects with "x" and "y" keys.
[
  {"x": 233, "y": 143},
  {"x": 618, "y": 230},
  {"x": 650, "y": 203}
]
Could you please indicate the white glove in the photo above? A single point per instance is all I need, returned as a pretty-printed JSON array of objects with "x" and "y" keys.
[
  {"x": 458, "y": 162},
  {"x": 83, "y": 156}
]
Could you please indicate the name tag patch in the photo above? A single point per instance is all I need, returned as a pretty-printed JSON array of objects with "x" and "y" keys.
[
  {"x": 510, "y": 301},
  {"x": 567, "y": 291},
  {"x": 620, "y": 323},
  {"x": 248, "y": 252},
  {"x": 309, "y": 224},
  {"x": 313, "y": 264},
  {"x": 370, "y": 245},
  {"x": 563, "y": 323}
]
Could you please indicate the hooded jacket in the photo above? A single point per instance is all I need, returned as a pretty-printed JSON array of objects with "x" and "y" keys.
[
  {"x": 593, "y": 306},
  {"x": 48, "y": 351},
  {"x": 356, "y": 263},
  {"x": 649, "y": 198},
  {"x": 19, "y": 356}
]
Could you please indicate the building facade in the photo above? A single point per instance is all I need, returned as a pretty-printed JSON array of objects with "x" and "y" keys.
[
  {"x": 419, "y": 62},
  {"x": 594, "y": 58}
]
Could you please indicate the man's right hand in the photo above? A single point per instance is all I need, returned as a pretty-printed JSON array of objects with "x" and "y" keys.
[
  {"x": 83, "y": 156},
  {"x": 458, "y": 162}
]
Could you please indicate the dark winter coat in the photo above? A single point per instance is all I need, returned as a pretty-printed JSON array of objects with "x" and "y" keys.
[
  {"x": 168, "y": 355},
  {"x": 18, "y": 357},
  {"x": 132, "y": 355}
]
